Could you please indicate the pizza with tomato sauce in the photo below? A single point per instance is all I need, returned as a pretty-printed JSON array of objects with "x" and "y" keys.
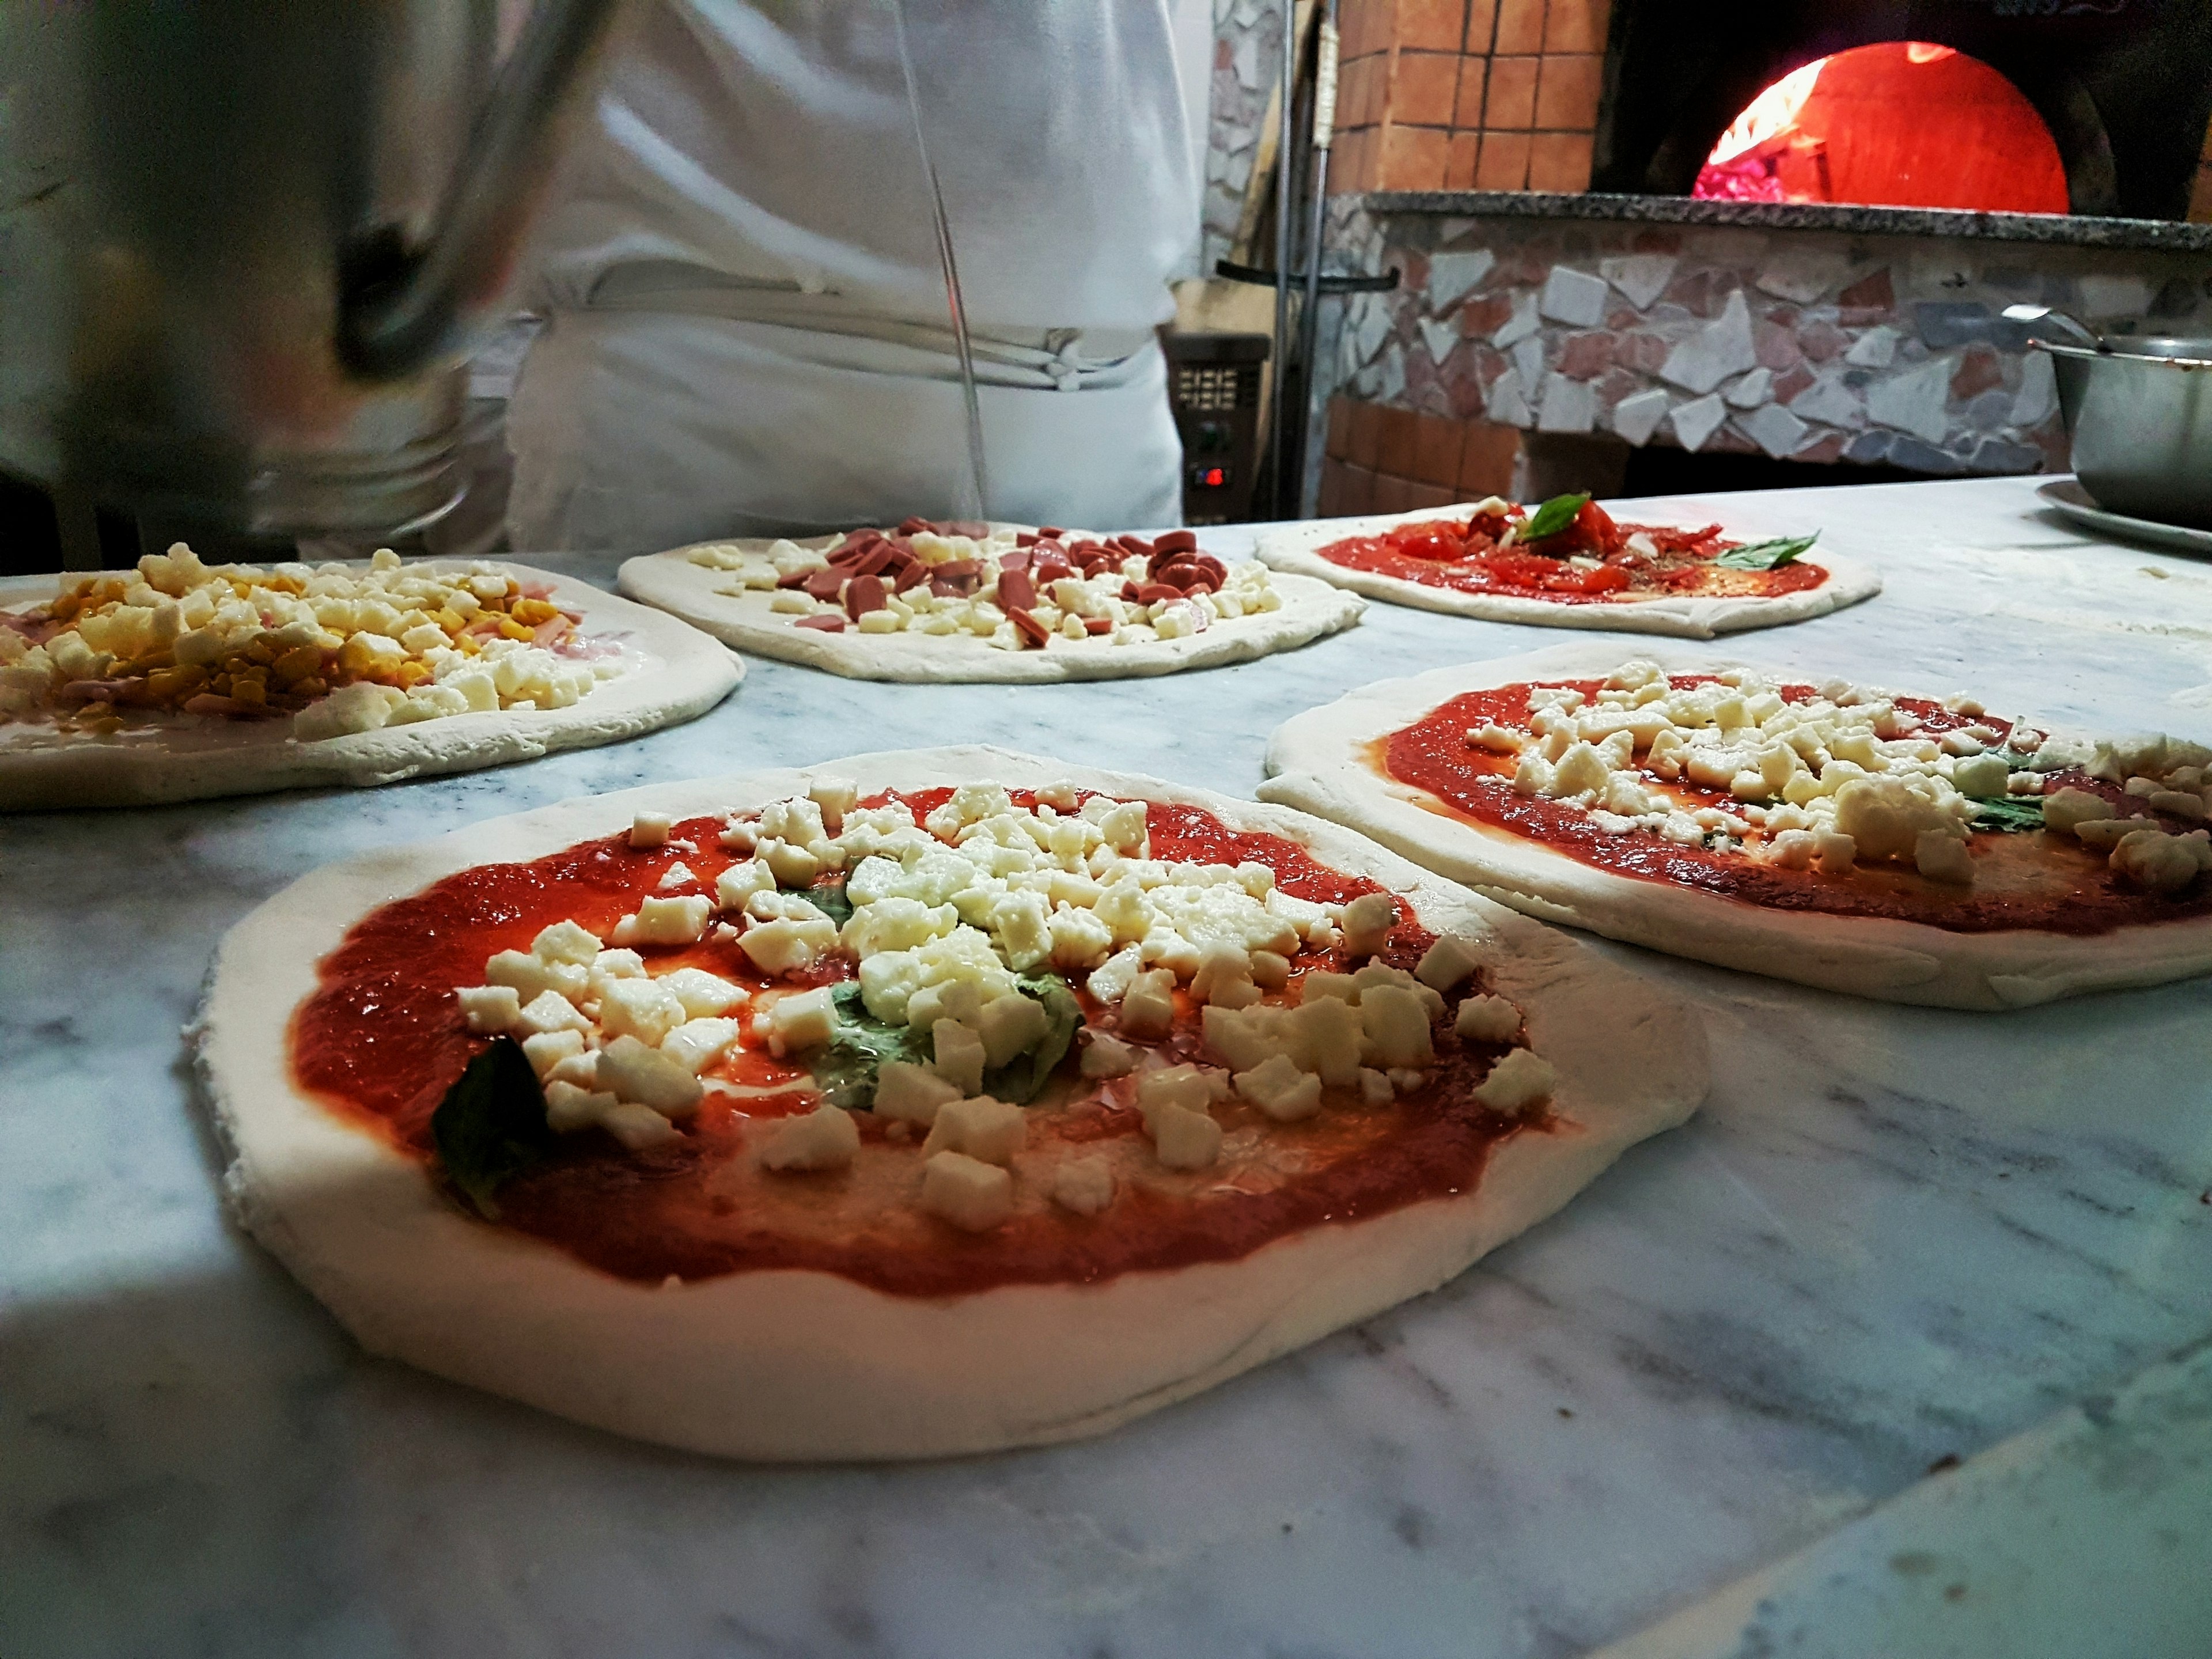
[
  {"x": 1877, "y": 842},
  {"x": 971, "y": 601},
  {"x": 929, "y": 1104},
  {"x": 1568, "y": 563}
]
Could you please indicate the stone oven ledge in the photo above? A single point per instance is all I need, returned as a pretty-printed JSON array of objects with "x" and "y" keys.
[{"x": 2062, "y": 229}]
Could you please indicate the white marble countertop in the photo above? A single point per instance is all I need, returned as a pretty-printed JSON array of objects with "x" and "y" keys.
[{"x": 1893, "y": 1235}]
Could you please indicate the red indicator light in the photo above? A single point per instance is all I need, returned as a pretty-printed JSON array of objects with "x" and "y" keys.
[{"x": 1215, "y": 478}]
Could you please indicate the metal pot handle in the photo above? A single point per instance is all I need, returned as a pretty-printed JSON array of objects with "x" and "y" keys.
[{"x": 405, "y": 308}]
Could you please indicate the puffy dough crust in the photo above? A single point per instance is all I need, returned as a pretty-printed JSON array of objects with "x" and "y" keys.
[
  {"x": 1295, "y": 549},
  {"x": 672, "y": 582},
  {"x": 790, "y": 1364},
  {"x": 1316, "y": 762},
  {"x": 682, "y": 675}
]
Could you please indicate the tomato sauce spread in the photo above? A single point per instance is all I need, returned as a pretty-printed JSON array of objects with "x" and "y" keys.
[
  {"x": 1588, "y": 562},
  {"x": 2033, "y": 879},
  {"x": 380, "y": 1039}
]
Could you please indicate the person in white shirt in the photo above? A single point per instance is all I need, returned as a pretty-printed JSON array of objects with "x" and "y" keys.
[{"x": 746, "y": 327}]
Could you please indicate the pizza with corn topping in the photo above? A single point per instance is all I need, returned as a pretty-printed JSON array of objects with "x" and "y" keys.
[{"x": 181, "y": 679}]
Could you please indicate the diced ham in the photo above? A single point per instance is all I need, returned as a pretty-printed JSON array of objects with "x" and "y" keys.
[
  {"x": 1028, "y": 626},
  {"x": 862, "y": 595},
  {"x": 1017, "y": 591},
  {"x": 829, "y": 621}
]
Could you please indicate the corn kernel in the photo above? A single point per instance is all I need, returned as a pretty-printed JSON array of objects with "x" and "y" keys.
[
  {"x": 534, "y": 611},
  {"x": 313, "y": 686},
  {"x": 261, "y": 652},
  {"x": 298, "y": 663},
  {"x": 173, "y": 684},
  {"x": 512, "y": 629},
  {"x": 251, "y": 693},
  {"x": 412, "y": 674}
]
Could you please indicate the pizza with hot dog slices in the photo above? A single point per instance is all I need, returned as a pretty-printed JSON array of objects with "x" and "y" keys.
[
  {"x": 1868, "y": 840},
  {"x": 1568, "y": 563},
  {"x": 925, "y": 1103},
  {"x": 180, "y": 679},
  {"x": 971, "y": 601}
]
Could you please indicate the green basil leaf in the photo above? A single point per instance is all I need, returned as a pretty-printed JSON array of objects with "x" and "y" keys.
[
  {"x": 2008, "y": 814},
  {"x": 1022, "y": 1078},
  {"x": 491, "y": 1125},
  {"x": 1766, "y": 555},
  {"x": 1553, "y": 517},
  {"x": 845, "y": 1067},
  {"x": 828, "y": 897}
]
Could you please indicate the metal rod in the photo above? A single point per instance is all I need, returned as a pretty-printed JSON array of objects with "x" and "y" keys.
[
  {"x": 1324, "y": 125},
  {"x": 1282, "y": 223},
  {"x": 978, "y": 478}
]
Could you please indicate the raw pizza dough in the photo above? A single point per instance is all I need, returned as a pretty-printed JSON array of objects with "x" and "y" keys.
[
  {"x": 1296, "y": 550},
  {"x": 693, "y": 591},
  {"x": 795, "y": 1364},
  {"x": 671, "y": 673},
  {"x": 1318, "y": 761}
]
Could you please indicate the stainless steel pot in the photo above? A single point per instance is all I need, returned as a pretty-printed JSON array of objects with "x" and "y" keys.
[
  {"x": 245, "y": 243},
  {"x": 2140, "y": 416}
]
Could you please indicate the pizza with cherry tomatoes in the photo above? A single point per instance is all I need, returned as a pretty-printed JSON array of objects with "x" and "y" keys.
[
  {"x": 932, "y": 1103},
  {"x": 1570, "y": 563}
]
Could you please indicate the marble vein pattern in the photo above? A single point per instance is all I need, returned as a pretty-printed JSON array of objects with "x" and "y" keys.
[{"x": 1894, "y": 1236}]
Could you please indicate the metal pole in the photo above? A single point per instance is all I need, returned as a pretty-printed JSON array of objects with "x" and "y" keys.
[
  {"x": 1324, "y": 123},
  {"x": 1283, "y": 216}
]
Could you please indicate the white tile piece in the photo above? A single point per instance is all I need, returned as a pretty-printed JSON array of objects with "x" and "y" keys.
[
  {"x": 1802, "y": 276},
  {"x": 1520, "y": 325},
  {"x": 1372, "y": 328},
  {"x": 1529, "y": 358},
  {"x": 1832, "y": 403},
  {"x": 1439, "y": 338},
  {"x": 1640, "y": 277},
  {"x": 1876, "y": 349},
  {"x": 1568, "y": 406},
  {"x": 1775, "y": 430},
  {"x": 1573, "y": 297},
  {"x": 1722, "y": 348},
  {"x": 1452, "y": 277},
  {"x": 1697, "y": 421},
  {"x": 1636, "y": 417},
  {"x": 1753, "y": 390},
  {"x": 1915, "y": 402},
  {"x": 1505, "y": 403}
]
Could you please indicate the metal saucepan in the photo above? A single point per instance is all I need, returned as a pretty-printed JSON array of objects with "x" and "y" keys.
[{"x": 2140, "y": 416}]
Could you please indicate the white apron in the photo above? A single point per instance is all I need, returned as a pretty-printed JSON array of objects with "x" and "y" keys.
[{"x": 746, "y": 324}]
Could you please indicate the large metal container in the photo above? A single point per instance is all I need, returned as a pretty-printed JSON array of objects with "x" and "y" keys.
[
  {"x": 245, "y": 243},
  {"x": 2140, "y": 416}
]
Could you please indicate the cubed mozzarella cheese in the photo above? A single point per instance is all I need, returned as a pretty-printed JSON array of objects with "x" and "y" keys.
[
  {"x": 648, "y": 1077},
  {"x": 802, "y": 1020},
  {"x": 1368, "y": 920},
  {"x": 1281, "y": 1089},
  {"x": 643, "y": 1008},
  {"x": 1148, "y": 1006},
  {"x": 1518, "y": 1080},
  {"x": 650, "y": 829},
  {"x": 1085, "y": 1185},
  {"x": 823, "y": 1139},
  {"x": 703, "y": 995},
  {"x": 698, "y": 1043},
  {"x": 957, "y": 1055},
  {"x": 549, "y": 1011},
  {"x": 738, "y": 883},
  {"x": 970, "y": 1195},
  {"x": 530, "y": 975},
  {"x": 1487, "y": 1019},
  {"x": 787, "y": 947},
  {"x": 908, "y": 1093},
  {"x": 1010, "y": 1024},
  {"x": 1395, "y": 1024},
  {"x": 637, "y": 1126},
  {"x": 666, "y": 921},
  {"x": 1942, "y": 856},
  {"x": 547, "y": 1050},
  {"x": 1185, "y": 1140},
  {"x": 1107, "y": 1056},
  {"x": 1447, "y": 962},
  {"x": 569, "y": 1108},
  {"x": 990, "y": 1130},
  {"x": 489, "y": 1008},
  {"x": 566, "y": 942}
]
